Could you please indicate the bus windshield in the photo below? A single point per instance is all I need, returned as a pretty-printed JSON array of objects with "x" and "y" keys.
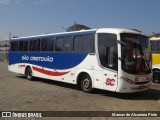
[
  {"x": 136, "y": 54},
  {"x": 155, "y": 46}
]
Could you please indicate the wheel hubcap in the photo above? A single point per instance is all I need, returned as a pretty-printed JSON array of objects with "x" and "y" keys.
[
  {"x": 86, "y": 83},
  {"x": 156, "y": 76}
]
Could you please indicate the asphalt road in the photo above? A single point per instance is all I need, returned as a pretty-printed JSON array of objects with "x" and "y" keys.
[{"x": 19, "y": 94}]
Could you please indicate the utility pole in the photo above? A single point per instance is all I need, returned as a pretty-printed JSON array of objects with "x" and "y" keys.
[{"x": 10, "y": 34}]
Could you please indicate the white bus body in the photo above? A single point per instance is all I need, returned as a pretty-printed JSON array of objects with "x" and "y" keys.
[{"x": 106, "y": 58}]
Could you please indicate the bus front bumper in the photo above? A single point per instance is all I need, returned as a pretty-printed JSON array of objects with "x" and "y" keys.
[{"x": 126, "y": 87}]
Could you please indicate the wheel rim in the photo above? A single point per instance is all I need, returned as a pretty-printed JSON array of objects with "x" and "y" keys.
[
  {"x": 156, "y": 76},
  {"x": 86, "y": 83}
]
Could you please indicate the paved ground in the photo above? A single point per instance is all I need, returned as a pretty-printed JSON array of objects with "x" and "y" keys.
[
  {"x": 19, "y": 94},
  {"x": 3, "y": 56}
]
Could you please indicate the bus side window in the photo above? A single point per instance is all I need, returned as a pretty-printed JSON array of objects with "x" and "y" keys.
[
  {"x": 59, "y": 44},
  {"x": 64, "y": 44},
  {"x": 84, "y": 43},
  {"x": 89, "y": 43},
  {"x": 47, "y": 44},
  {"x": 50, "y": 44},
  {"x": 14, "y": 45},
  {"x": 68, "y": 43},
  {"x": 78, "y": 44},
  {"x": 34, "y": 45},
  {"x": 23, "y": 45},
  {"x": 43, "y": 44}
]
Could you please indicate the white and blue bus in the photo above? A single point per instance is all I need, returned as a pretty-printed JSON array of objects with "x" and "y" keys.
[{"x": 110, "y": 59}]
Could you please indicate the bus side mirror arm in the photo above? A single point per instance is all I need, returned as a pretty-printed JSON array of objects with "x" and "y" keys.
[
  {"x": 120, "y": 42},
  {"x": 119, "y": 58}
]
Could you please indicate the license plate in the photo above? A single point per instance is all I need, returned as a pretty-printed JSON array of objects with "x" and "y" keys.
[
  {"x": 142, "y": 80},
  {"x": 142, "y": 87}
]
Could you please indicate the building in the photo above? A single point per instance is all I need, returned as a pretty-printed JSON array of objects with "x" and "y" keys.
[
  {"x": 157, "y": 35},
  {"x": 4, "y": 46}
]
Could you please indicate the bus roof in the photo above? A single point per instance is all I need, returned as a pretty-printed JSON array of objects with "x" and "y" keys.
[
  {"x": 154, "y": 38},
  {"x": 82, "y": 32},
  {"x": 117, "y": 30}
]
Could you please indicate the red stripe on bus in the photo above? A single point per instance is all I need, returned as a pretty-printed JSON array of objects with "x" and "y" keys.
[
  {"x": 22, "y": 65},
  {"x": 47, "y": 72}
]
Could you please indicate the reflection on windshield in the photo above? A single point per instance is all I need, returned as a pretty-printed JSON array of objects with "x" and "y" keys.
[{"x": 135, "y": 54}]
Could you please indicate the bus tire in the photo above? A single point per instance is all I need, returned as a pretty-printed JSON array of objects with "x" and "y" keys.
[
  {"x": 156, "y": 76},
  {"x": 86, "y": 83},
  {"x": 29, "y": 73}
]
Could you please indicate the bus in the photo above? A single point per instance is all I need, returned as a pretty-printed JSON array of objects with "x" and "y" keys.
[
  {"x": 155, "y": 47},
  {"x": 112, "y": 59}
]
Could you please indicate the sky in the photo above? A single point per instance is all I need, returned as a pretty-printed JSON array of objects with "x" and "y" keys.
[{"x": 34, "y": 17}]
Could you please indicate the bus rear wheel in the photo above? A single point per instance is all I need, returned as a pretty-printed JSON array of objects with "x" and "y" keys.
[
  {"x": 156, "y": 76},
  {"x": 29, "y": 73},
  {"x": 86, "y": 84}
]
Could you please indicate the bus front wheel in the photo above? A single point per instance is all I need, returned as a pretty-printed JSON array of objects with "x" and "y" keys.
[
  {"x": 29, "y": 73},
  {"x": 86, "y": 84},
  {"x": 156, "y": 76}
]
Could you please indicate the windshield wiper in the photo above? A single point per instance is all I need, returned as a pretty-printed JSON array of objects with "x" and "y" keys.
[{"x": 148, "y": 68}]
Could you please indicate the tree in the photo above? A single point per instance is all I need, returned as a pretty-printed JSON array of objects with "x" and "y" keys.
[{"x": 77, "y": 27}]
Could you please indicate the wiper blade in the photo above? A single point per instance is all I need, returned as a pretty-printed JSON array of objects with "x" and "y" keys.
[{"x": 147, "y": 65}]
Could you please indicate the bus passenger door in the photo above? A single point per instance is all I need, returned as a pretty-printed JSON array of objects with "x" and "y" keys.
[
  {"x": 108, "y": 58},
  {"x": 110, "y": 74}
]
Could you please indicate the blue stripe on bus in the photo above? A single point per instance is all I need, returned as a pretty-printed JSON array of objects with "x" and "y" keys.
[{"x": 48, "y": 60}]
